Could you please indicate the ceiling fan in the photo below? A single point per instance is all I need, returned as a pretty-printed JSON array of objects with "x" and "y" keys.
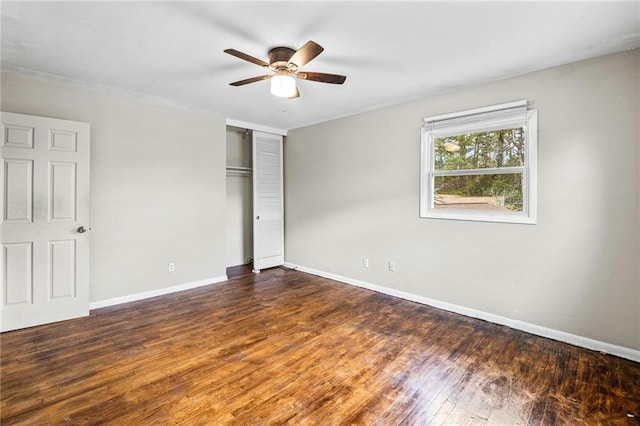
[{"x": 285, "y": 64}]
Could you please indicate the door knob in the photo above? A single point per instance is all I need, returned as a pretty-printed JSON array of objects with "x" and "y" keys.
[
  {"x": 82, "y": 230},
  {"x": 257, "y": 217}
]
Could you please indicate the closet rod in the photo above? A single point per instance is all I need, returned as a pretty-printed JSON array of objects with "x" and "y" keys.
[{"x": 239, "y": 169}]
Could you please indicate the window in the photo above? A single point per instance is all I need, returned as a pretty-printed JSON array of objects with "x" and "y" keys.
[{"x": 480, "y": 165}]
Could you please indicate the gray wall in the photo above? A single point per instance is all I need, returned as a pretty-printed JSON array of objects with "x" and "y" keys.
[
  {"x": 157, "y": 185},
  {"x": 352, "y": 191}
]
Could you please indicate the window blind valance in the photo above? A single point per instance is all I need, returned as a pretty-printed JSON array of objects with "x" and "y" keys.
[{"x": 495, "y": 117}]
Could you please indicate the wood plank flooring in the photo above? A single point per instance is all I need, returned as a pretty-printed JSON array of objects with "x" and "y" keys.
[{"x": 284, "y": 347}]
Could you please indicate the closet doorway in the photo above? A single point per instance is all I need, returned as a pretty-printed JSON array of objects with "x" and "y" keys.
[
  {"x": 255, "y": 198},
  {"x": 239, "y": 209}
]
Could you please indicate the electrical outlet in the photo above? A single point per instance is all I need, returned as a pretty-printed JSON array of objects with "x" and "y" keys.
[
  {"x": 171, "y": 267},
  {"x": 392, "y": 266},
  {"x": 365, "y": 263}
]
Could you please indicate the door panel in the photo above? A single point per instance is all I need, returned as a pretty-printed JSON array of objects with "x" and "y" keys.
[
  {"x": 45, "y": 183},
  {"x": 62, "y": 268},
  {"x": 63, "y": 141},
  {"x": 268, "y": 220},
  {"x": 18, "y": 136},
  {"x": 62, "y": 194},
  {"x": 18, "y": 191},
  {"x": 17, "y": 264}
]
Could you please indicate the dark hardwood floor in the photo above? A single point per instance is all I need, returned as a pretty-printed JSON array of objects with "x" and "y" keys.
[{"x": 286, "y": 347}]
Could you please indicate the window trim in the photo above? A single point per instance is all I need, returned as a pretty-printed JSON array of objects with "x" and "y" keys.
[{"x": 529, "y": 170}]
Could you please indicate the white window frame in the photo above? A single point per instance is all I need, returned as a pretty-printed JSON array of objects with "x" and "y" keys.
[{"x": 478, "y": 120}]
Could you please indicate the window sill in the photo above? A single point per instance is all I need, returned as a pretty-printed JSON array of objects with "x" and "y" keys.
[{"x": 475, "y": 216}]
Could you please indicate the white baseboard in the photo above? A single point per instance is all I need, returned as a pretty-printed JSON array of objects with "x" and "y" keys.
[
  {"x": 584, "y": 342},
  {"x": 154, "y": 293}
]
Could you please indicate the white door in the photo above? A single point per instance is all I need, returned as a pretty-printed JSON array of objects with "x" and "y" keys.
[
  {"x": 45, "y": 216},
  {"x": 268, "y": 214}
]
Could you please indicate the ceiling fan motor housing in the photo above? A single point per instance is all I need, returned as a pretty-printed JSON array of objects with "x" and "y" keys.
[{"x": 279, "y": 58}]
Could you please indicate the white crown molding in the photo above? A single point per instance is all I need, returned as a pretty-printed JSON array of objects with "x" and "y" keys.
[
  {"x": 107, "y": 89},
  {"x": 573, "y": 339}
]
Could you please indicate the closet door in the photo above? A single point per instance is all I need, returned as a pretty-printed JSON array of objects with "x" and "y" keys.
[{"x": 268, "y": 217}]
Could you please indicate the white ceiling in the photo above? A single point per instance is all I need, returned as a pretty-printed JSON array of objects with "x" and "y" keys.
[{"x": 391, "y": 52}]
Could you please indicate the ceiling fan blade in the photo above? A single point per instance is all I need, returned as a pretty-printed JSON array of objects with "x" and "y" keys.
[
  {"x": 322, "y": 77},
  {"x": 306, "y": 53},
  {"x": 295, "y": 95},
  {"x": 238, "y": 54},
  {"x": 250, "y": 80}
]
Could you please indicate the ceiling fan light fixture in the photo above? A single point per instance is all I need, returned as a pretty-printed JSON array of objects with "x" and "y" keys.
[
  {"x": 283, "y": 85},
  {"x": 284, "y": 65}
]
